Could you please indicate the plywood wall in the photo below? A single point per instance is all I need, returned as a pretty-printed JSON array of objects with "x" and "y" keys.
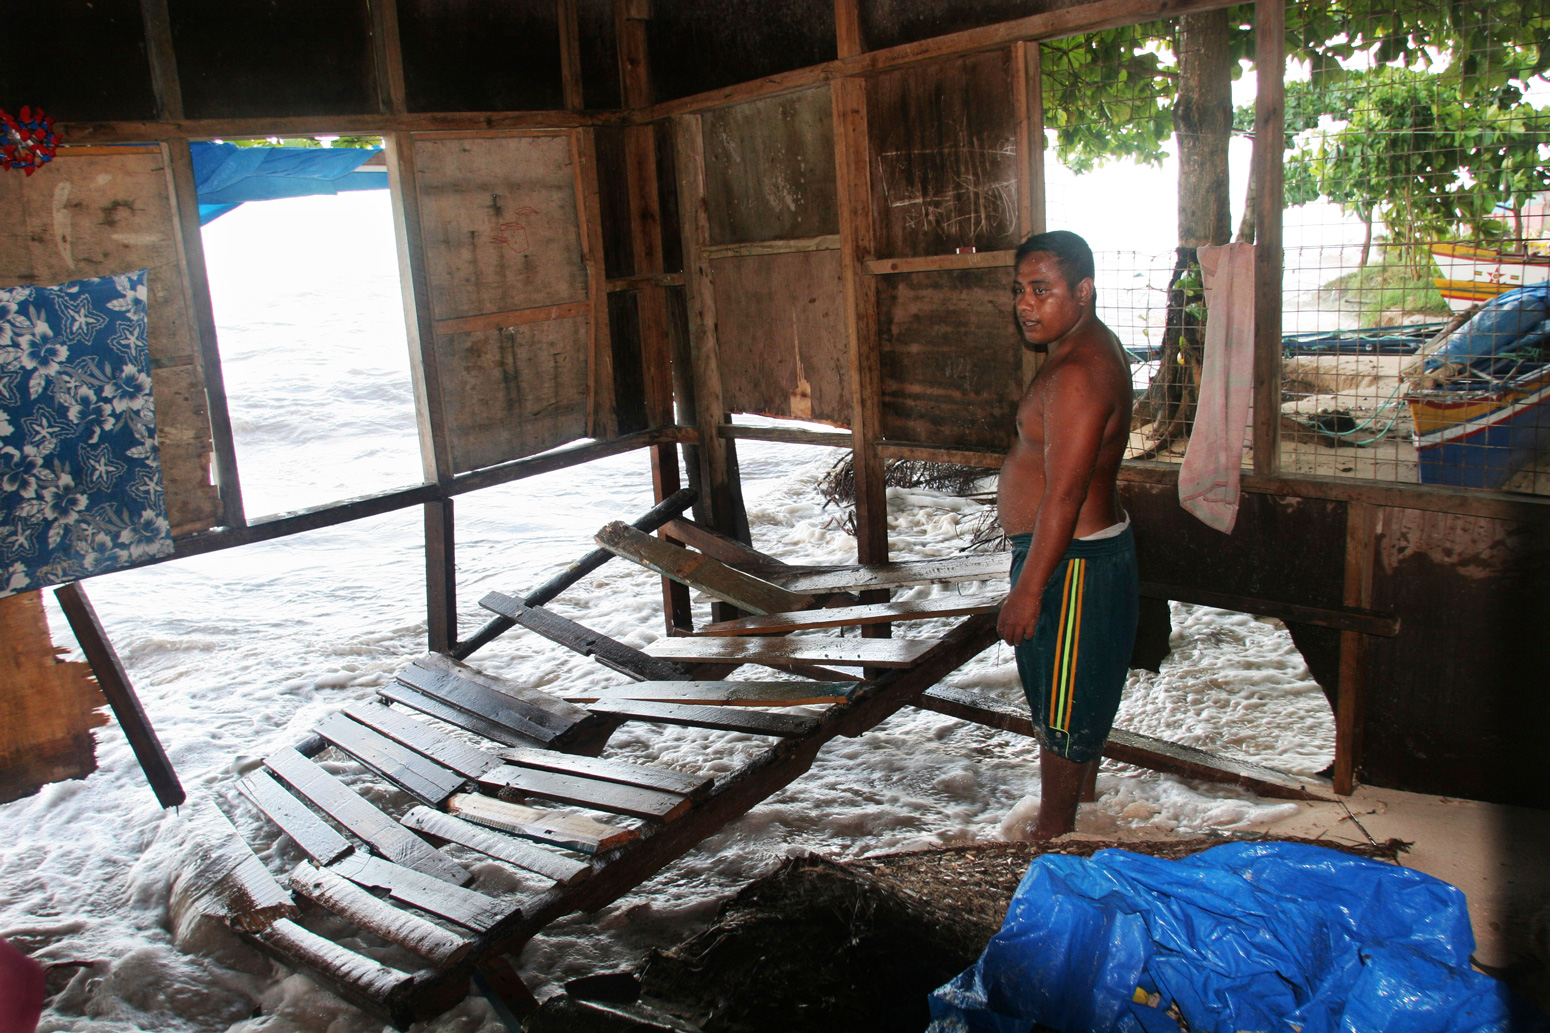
[
  {"x": 105, "y": 210},
  {"x": 769, "y": 169}
]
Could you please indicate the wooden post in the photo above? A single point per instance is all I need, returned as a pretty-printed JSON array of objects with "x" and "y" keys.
[
  {"x": 424, "y": 374},
  {"x": 1350, "y": 695},
  {"x": 1028, "y": 94},
  {"x": 440, "y": 577},
  {"x": 115, "y": 684},
  {"x": 847, "y": 28},
  {"x": 1269, "y": 139},
  {"x": 164, "y": 62},
  {"x": 570, "y": 55},
  {"x": 388, "y": 55},
  {"x": 602, "y": 414}
]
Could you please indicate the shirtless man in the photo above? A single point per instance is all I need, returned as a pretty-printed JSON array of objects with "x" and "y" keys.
[{"x": 1071, "y": 614}]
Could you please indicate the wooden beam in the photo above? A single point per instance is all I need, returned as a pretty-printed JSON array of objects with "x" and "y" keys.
[
  {"x": 376, "y": 124},
  {"x": 612, "y": 654},
  {"x": 827, "y": 242},
  {"x": 1351, "y": 692},
  {"x": 517, "y": 317},
  {"x": 317, "y": 838},
  {"x": 413, "y": 772},
  {"x": 165, "y": 83},
  {"x": 468, "y": 908},
  {"x": 468, "y": 761},
  {"x": 180, "y": 165},
  {"x": 120, "y": 693},
  {"x": 579, "y": 791},
  {"x": 727, "y": 719},
  {"x": 857, "y": 616},
  {"x": 532, "y": 713},
  {"x": 971, "y": 566},
  {"x": 570, "y": 55},
  {"x": 666, "y": 780},
  {"x": 643, "y": 281},
  {"x": 860, "y": 652},
  {"x": 387, "y": 53},
  {"x": 440, "y": 576},
  {"x": 1269, "y": 133},
  {"x": 700, "y": 571},
  {"x": 1356, "y": 620},
  {"x": 932, "y": 263},
  {"x": 602, "y": 409},
  {"x": 353, "y": 976},
  {"x": 728, "y": 550},
  {"x": 984, "y": 458},
  {"x": 789, "y": 435},
  {"x": 723, "y": 693},
  {"x": 847, "y": 28}
]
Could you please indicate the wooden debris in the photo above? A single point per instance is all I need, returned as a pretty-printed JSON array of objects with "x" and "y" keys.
[
  {"x": 571, "y": 831},
  {"x": 724, "y": 693},
  {"x": 220, "y": 877},
  {"x": 357, "y": 977},
  {"x": 847, "y": 616},
  {"x": 527, "y": 712},
  {"x": 407, "y": 886},
  {"x": 397, "y": 692},
  {"x": 561, "y": 869},
  {"x": 699, "y": 571},
  {"x": 586, "y": 792},
  {"x": 727, "y": 719},
  {"x": 339, "y": 802},
  {"x": 608, "y": 652},
  {"x": 419, "y": 776},
  {"x": 468, "y": 761},
  {"x": 410, "y": 931},
  {"x": 866, "y": 652},
  {"x": 975, "y": 566},
  {"x": 647, "y": 777},
  {"x": 317, "y": 838}
]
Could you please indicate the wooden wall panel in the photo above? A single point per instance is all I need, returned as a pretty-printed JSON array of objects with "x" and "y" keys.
[
  {"x": 100, "y": 211},
  {"x": 769, "y": 169},
  {"x": 781, "y": 334},
  {"x": 944, "y": 144},
  {"x": 499, "y": 223},
  {"x": 951, "y": 357},
  {"x": 47, "y": 707},
  {"x": 514, "y": 390}
]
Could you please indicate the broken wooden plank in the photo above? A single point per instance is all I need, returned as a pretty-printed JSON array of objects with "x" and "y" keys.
[
  {"x": 699, "y": 571},
  {"x": 848, "y": 616},
  {"x": 419, "y": 776},
  {"x": 571, "y": 831},
  {"x": 466, "y": 907},
  {"x": 363, "y": 819},
  {"x": 219, "y": 876},
  {"x": 723, "y": 693},
  {"x": 397, "y": 692},
  {"x": 1135, "y": 748},
  {"x": 866, "y": 652},
  {"x": 592, "y": 793},
  {"x": 973, "y": 566},
  {"x": 718, "y": 546},
  {"x": 608, "y": 652},
  {"x": 359, "y": 978},
  {"x": 726, "y": 719},
  {"x": 1345, "y": 618},
  {"x": 350, "y": 902},
  {"x": 468, "y": 761},
  {"x": 662, "y": 779},
  {"x": 317, "y": 838},
  {"x": 528, "y": 711},
  {"x": 547, "y": 863}
]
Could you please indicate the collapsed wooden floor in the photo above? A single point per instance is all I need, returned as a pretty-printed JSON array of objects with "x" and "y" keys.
[{"x": 518, "y": 777}]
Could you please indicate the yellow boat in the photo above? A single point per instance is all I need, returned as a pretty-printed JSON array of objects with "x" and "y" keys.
[{"x": 1472, "y": 275}]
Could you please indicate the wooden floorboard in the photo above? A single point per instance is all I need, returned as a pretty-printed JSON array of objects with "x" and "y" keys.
[
  {"x": 861, "y": 652},
  {"x": 726, "y": 719},
  {"x": 699, "y": 571},
  {"x": 606, "y": 651},
  {"x": 416, "y": 774},
  {"x": 468, "y": 761},
  {"x": 468, "y": 908},
  {"x": 973, "y": 566},
  {"x": 723, "y": 693},
  {"x": 341, "y": 896},
  {"x": 645, "y": 776},
  {"x": 564, "y": 870},
  {"x": 592, "y": 793},
  {"x": 493, "y": 699},
  {"x": 414, "y": 699},
  {"x": 316, "y": 837},
  {"x": 850, "y": 616},
  {"x": 568, "y": 831}
]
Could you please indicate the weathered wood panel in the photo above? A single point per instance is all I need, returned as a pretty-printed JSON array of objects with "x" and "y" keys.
[
  {"x": 500, "y": 223},
  {"x": 515, "y": 390},
  {"x": 782, "y": 330},
  {"x": 951, "y": 357},
  {"x": 769, "y": 169},
  {"x": 98, "y": 212},
  {"x": 48, "y": 707},
  {"x": 944, "y": 172}
]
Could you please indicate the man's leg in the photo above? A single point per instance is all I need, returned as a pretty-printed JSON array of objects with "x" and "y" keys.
[
  {"x": 1060, "y": 790},
  {"x": 1090, "y": 782}
]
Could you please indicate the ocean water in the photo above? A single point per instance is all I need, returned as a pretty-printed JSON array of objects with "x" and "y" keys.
[{"x": 237, "y": 653}]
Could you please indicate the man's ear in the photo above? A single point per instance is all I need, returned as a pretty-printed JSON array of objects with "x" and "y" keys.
[{"x": 1086, "y": 291}]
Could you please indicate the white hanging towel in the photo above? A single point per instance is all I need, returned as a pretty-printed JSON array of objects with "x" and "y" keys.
[{"x": 1208, "y": 478}]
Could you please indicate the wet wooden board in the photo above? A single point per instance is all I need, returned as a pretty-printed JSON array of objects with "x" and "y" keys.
[
  {"x": 547, "y": 863},
  {"x": 614, "y": 655},
  {"x": 345, "y": 899},
  {"x": 699, "y": 571},
  {"x": 317, "y": 838},
  {"x": 663, "y": 779},
  {"x": 726, "y": 719},
  {"x": 728, "y": 550},
  {"x": 468, "y": 761},
  {"x": 867, "y": 652},
  {"x": 537, "y": 705},
  {"x": 217, "y": 875},
  {"x": 407, "y": 886},
  {"x": 571, "y": 831},
  {"x": 356, "y": 975},
  {"x": 1134, "y": 748},
  {"x": 848, "y": 616},
  {"x": 489, "y": 698},
  {"x": 724, "y": 693},
  {"x": 973, "y": 566},
  {"x": 419, "y": 776},
  {"x": 363, "y": 819},
  {"x": 397, "y": 692},
  {"x": 592, "y": 793}
]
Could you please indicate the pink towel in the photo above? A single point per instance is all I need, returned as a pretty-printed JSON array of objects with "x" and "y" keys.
[
  {"x": 21, "y": 991},
  {"x": 1208, "y": 478}
]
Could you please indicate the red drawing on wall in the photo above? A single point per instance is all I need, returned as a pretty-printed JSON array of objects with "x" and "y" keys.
[{"x": 514, "y": 234}]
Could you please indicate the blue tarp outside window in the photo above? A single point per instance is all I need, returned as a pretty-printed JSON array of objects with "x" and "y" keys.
[{"x": 226, "y": 175}]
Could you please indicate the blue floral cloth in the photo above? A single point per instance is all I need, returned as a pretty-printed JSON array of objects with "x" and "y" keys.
[{"x": 80, "y": 475}]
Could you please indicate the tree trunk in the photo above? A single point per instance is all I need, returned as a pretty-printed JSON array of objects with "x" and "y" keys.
[
  {"x": 1246, "y": 226},
  {"x": 1366, "y": 218},
  {"x": 1202, "y": 120}
]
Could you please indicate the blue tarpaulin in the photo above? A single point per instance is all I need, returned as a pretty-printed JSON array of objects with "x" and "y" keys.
[
  {"x": 1245, "y": 936},
  {"x": 226, "y": 175}
]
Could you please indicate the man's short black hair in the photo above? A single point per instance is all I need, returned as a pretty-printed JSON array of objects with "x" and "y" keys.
[{"x": 1071, "y": 253}]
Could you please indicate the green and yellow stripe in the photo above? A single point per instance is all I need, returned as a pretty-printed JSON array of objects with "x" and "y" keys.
[{"x": 1068, "y": 635}]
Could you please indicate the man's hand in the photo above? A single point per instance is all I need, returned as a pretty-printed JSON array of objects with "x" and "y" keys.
[{"x": 1019, "y": 617}]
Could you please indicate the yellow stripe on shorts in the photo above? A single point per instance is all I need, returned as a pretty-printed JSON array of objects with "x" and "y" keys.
[{"x": 1067, "y": 638}]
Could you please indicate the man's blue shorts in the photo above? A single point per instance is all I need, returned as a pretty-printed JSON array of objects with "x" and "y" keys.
[{"x": 1074, "y": 667}]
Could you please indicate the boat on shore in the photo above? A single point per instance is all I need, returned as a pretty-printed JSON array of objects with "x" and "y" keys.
[{"x": 1472, "y": 275}]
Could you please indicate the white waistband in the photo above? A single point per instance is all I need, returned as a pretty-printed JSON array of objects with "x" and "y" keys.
[{"x": 1108, "y": 532}]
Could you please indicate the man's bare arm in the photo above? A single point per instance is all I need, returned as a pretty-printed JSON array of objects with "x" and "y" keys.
[{"x": 1076, "y": 411}]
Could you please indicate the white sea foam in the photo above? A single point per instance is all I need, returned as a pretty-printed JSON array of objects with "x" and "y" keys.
[{"x": 237, "y": 653}]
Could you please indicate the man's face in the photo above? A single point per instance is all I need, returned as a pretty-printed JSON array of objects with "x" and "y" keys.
[{"x": 1045, "y": 305}]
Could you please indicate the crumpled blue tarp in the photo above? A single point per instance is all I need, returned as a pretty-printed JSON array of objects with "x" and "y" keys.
[
  {"x": 1515, "y": 319},
  {"x": 226, "y": 175},
  {"x": 1245, "y": 936}
]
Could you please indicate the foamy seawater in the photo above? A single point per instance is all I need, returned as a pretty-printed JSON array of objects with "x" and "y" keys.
[{"x": 237, "y": 653}]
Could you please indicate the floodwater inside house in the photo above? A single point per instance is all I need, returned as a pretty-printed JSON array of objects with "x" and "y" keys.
[{"x": 237, "y": 653}]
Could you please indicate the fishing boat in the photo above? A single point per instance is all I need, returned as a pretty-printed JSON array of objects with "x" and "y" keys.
[
  {"x": 1473, "y": 275},
  {"x": 1481, "y": 409}
]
